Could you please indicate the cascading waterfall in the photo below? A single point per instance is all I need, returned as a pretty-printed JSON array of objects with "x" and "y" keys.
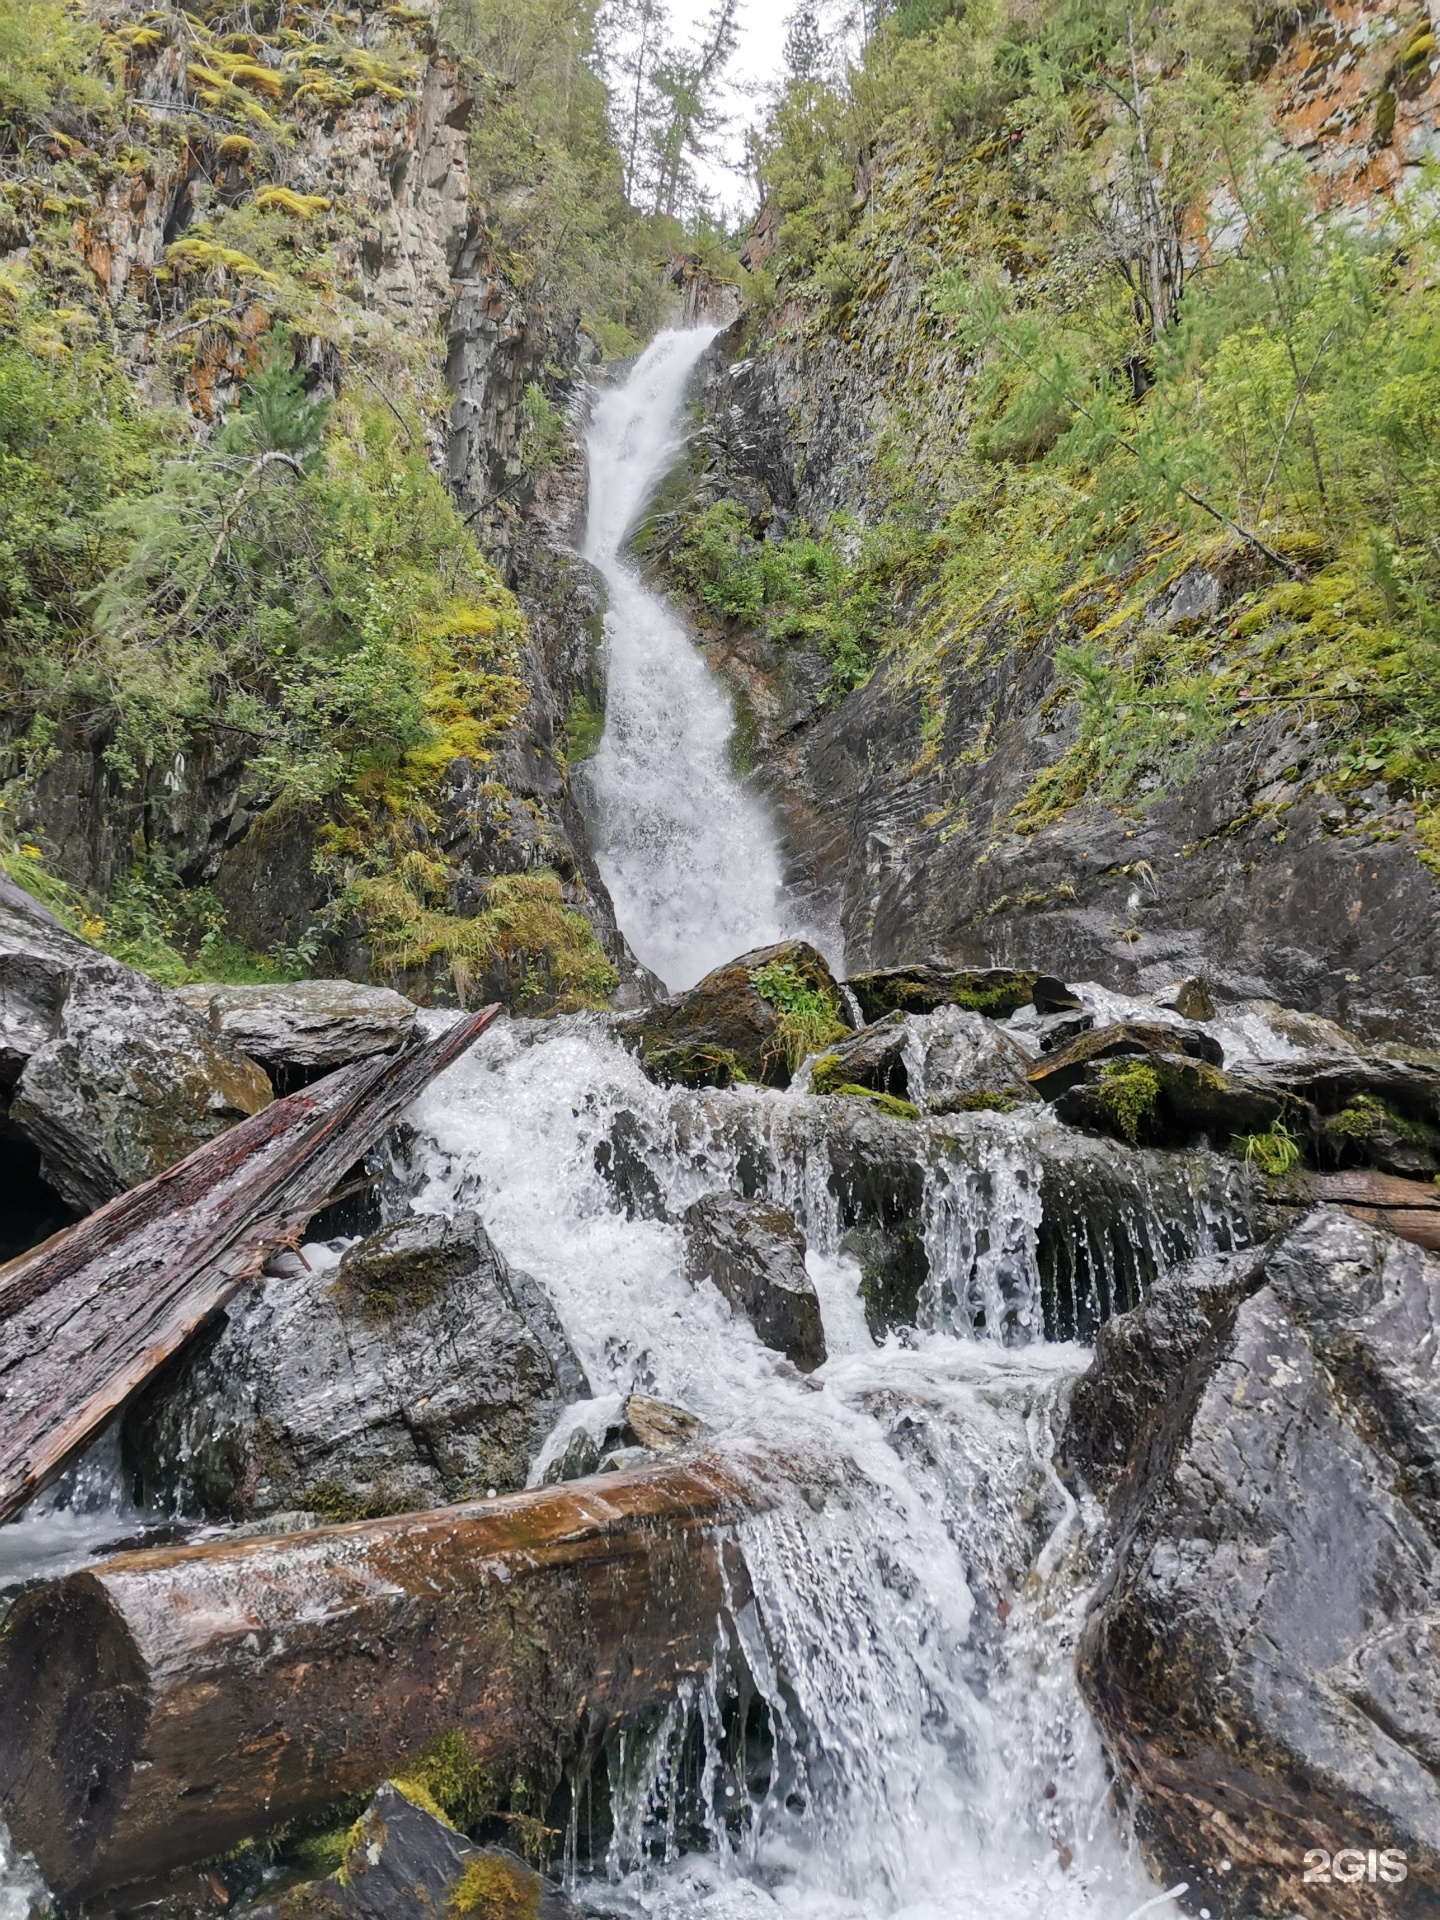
[
  {"x": 688, "y": 853},
  {"x": 904, "y": 1622},
  {"x": 891, "y": 1728}
]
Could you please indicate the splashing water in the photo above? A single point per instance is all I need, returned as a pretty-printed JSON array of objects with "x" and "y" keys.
[
  {"x": 688, "y": 853},
  {"x": 906, "y": 1610}
]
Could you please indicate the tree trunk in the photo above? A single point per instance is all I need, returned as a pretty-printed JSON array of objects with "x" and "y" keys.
[
  {"x": 91, "y": 1313},
  {"x": 162, "y": 1706}
]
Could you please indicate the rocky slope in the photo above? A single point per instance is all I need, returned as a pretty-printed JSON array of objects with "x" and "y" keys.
[
  {"x": 256, "y": 186},
  {"x": 945, "y": 801}
]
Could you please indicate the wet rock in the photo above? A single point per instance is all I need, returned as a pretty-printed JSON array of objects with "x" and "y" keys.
[
  {"x": 1050, "y": 995},
  {"x": 309, "y": 1027},
  {"x": 969, "y": 1065},
  {"x": 423, "y": 1370},
  {"x": 1173, "y": 1100},
  {"x": 1191, "y": 999},
  {"x": 1057, "y": 1030},
  {"x": 996, "y": 991},
  {"x": 1261, "y": 1657},
  {"x": 873, "y": 1058},
  {"x": 877, "y": 1175},
  {"x": 404, "y": 1861},
  {"x": 1054, "y": 1074},
  {"x": 755, "y": 1254},
  {"x": 724, "y": 1029},
  {"x": 110, "y": 1078},
  {"x": 1379, "y": 1110},
  {"x": 656, "y": 1425},
  {"x": 621, "y": 1160}
]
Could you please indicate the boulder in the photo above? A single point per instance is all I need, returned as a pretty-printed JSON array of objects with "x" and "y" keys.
[
  {"x": 599, "y": 1436},
  {"x": 1261, "y": 1655},
  {"x": 1375, "y": 1109},
  {"x": 872, "y": 1059},
  {"x": 997, "y": 991},
  {"x": 754, "y": 1253},
  {"x": 755, "y": 1018},
  {"x": 307, "y": 1028},
  {"x": 404, "y": 1861},
  {"x": 969, "y": 1065},
  {"x": 1173, "y": 1100},
  {"x": 422, "y": 1370},
  {"x": 108, "y": 1076},
  {"x": 1057, "y": 1071}
]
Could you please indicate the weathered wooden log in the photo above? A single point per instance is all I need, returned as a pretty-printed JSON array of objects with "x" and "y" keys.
[
  {"x": 160, "y": 1707},
  {"x": 92, "y": 1312},
  {"x": 1409, "y": 1209}
]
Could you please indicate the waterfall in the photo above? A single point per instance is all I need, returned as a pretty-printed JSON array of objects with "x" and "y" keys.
[
  {"x": 891, "y": 1724},
  {"x": 688, "y": 853}
]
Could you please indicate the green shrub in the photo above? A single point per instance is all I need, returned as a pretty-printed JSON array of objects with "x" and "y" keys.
[{"x": 806, "y": 1013}]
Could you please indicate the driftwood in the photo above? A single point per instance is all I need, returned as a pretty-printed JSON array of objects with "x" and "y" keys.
[
  {"x": 160, "y": 1707},
  {"x": 1408, "y": 1208},
  {"x": 92, "y": 1312}
]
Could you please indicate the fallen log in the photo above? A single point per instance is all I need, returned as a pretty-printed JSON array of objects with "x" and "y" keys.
[
  {"x": 160, "y": 1707},
  {"x": 1410, "y": 1209},
  {"x": 90, "y": 1313}
]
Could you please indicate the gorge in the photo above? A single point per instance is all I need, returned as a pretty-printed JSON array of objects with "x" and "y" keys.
[{"x": 900, "y": 1376}]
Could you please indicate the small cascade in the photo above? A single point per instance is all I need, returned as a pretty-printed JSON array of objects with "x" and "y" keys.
[{"x": 891, "y": 1722}]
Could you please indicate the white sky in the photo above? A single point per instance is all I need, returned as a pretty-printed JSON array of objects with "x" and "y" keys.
[{"x": 763, "y": 25}]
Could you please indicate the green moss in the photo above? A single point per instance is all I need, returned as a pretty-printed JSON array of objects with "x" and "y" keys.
[
  {"x": 987, "y": 1102},
  {"x": 584, "y": 728},
  {"x": 446, "y": 1772},
  {"x": 887, "y": 1103},
  {"x": 1127, "y": 1092},
  {"x": 333, "y": 1502},
  {"x": 496, "y": 1889}
]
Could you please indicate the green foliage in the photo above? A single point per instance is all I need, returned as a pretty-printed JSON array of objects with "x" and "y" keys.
[
  {"x": 834, "y": 590},
  {"x": 1275, "y": 1152},
  {"x": 1127, "y": 1092},
  {"x": 547, "y": 169},
  {"x": 546, "y": 438},
  {"x": 807, "y": 1017},
  {"x": 447, "y": 1771},
  {"x": 47, "y": 61},
  {"x": 1122, "y": 416}
]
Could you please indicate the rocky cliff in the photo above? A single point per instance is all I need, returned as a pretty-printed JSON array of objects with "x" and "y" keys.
[
  {"x": 975, "y": 795},
  {"x": 285, "y": 184}
]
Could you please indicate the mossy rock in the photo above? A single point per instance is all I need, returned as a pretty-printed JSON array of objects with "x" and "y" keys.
[
  {"x": 995, "y": 991},
  {"x": 755, "y": 1018},
  {"x": 1174, "y": 1100}
]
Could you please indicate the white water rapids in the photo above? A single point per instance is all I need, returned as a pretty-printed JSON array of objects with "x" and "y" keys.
[{"x": 905, "y": 1627}]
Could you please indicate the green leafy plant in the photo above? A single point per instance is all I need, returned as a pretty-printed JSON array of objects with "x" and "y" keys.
[
  {"x": 806, "y": 1016},
  {"x": 1275, "y": 1152}
]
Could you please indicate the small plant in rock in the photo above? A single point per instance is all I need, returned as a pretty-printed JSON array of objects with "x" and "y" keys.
[
  {"x": 1275, "y": 1152},
  {"x": 805, "y": 1013},
  {"x": 1127, "y": 1092}
]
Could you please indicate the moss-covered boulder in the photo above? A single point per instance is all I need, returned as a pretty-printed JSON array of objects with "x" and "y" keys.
[
  {"x": 756, "y": 1018},
  {"x": 1055, "y": 1072},
  {"x": 421, "y": 1371},
  {"x": 402, "y": 1860},
  {"x": 997, "y": 991}
]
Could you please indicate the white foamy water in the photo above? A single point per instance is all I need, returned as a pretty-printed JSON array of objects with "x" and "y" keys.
[
  {"x": 913, "y": 1595},
  {"x": 688, "y": 852}
]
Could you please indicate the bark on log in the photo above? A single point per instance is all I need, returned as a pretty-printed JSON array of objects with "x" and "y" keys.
[
  {"x": 92, "y": 1312},
  {"x": 162, "y": 1706},
  {"x": 1410, "y": 1209}
]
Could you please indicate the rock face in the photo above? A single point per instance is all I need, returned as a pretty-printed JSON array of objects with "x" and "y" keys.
[
  {"x": 755, "y": 1254},
  {"x": 306, "y": 1028},
  {"x": 725, "y": 1029},
  {"x": 423, "y": 1371},
  {"x": 106, "y": 1074},
  {"x": 403, "y": 1863},
  {"x": 969, "y": 1064},
  {"x": 1262, "y": 1657}
]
